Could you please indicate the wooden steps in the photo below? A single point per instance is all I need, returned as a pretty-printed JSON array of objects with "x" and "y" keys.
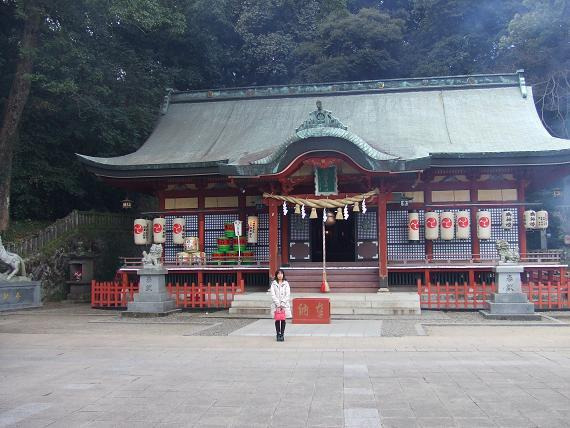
[{"x": 341, "y": 279}]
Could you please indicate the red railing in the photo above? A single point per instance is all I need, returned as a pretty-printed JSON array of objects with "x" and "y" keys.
[
  {"x": 110, "y": 294},
  {"x": 550, "y": 295},
  {"x": 454, "y": 296},
  {"x": 118, "y": 294}
]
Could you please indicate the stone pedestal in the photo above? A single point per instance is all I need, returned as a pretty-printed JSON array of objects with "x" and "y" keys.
[
  {"x": 20, "y": 294},
  {"x": 510, "y": 302},
  {"x": 152, "y": 298}
]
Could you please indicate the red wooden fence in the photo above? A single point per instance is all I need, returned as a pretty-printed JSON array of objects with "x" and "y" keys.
[
  {"x": 118, "y": 294},
  {"x": 550, "y": 295}
]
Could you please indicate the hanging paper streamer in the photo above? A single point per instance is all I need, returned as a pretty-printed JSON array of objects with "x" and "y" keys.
[
  {"x": 364, "y": 206},
  {"x": 285, "y": 208},
  {"x": 346, "y": 212},
  {"x": 324, "y": 215},
  {"x": 303, "y": 213}
]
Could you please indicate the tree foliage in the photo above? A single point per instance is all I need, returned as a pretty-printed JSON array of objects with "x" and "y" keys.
[{"x": 100, "y": 69}]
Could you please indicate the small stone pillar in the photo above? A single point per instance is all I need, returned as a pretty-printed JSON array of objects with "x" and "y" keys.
[
  {"x": 509, "y": 303},
  {"x": 152, "y": 298}
]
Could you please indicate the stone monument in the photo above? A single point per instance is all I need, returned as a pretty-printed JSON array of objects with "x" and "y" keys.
[
  {"x": 17, "y": 291},
  {"x": 152, "y": 298},
  {"x": 509, "y": 303}
]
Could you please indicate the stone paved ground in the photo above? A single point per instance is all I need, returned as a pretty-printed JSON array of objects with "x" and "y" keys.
[{"x": 70, "y": 366}]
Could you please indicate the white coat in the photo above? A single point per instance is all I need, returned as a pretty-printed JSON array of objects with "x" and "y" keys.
[{"x": 281, "y": 296}]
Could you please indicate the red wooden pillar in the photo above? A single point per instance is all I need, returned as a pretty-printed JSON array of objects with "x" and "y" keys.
[
  {"x": 284, "y": 240},
  {"x": 382, "y": 218},
  {"x": 520, "y": 220},
  {"x": 273, "y": 238},
  {"x": 475, "y": 248}
]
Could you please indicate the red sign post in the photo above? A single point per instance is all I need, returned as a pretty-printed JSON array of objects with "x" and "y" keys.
[{"x": 311, "y": 310}]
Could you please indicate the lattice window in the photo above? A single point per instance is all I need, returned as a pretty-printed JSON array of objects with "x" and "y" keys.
[
  {"x": 300, "y": 228},
  {"x": 454, "y": 249},
  {"x": 215, "y": 229},
  {"x": 190, "y": 229},
  {"x": 261, "y": 249},
  {"x": 399, "y": 248},
  {"x": 366, "y": 226},
  {"x": 488, "y": 247}
]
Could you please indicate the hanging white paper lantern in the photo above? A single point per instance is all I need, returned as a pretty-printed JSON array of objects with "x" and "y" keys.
[
  {"x": 463, "y": 225},
  {"x": 432, "y": 225},
  {"x": 507, "y": 219},
  {"x": 447, "y": 222},
  {"x": 252, "y": 228},
  {"x": 159, "y": 230},
  {"x": 139, "y": 231},
  {"x": 148, "y": 231},
  {"x": 530, "y": 219},
  {"x": 542, "y": 219},
  {"x": 413, "y": 226},
  {"x": 178, "y": 231},
  {"x": 483, "y": 225}
]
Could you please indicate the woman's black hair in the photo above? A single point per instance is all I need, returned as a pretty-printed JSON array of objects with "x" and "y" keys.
[{"x": 276, "y": 272}]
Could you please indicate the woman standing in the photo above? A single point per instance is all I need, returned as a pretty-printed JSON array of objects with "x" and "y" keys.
[{"x": 280, "y": 296}]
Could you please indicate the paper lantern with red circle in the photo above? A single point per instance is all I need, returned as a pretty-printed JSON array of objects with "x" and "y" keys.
[
  {"x": 159, "y": 230},
  {"x": 530, "y": 219},
  {"x": 432, "y": 225},
  {"x": 178, "y": 231},
  {"x": 507, "y": 219},
  {"x": 447, "y": 223},
  {"x": 463, "y": 225},
  {"x": 542, "y": 219},
  {"x": 413, "y": 226},
  {"x": 139, "y": 231},
  {"x": 483, "y": 225}
]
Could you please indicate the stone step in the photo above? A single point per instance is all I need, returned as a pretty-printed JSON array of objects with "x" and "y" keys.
[{"x": 341, "y": 303}]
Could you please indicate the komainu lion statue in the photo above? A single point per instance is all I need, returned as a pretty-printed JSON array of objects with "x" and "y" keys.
[
  {"x": 506, "y": 254},
  {"x": 14, "y": 261},
  {"x": 152, "y": 258}
]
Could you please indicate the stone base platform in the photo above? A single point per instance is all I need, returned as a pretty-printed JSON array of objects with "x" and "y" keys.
[
  {"x": 20, "y": 294},
  {"x": 511, "y": 317},
  {"x": 131, "y": 314},
  {"x": 257, "y": 305}
]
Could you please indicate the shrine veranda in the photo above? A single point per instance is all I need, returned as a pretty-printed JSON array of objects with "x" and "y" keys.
[{"x": 467, "y": 148}]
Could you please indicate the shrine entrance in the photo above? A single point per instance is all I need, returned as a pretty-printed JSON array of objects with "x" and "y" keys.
[{"x": 340, "y": 240}]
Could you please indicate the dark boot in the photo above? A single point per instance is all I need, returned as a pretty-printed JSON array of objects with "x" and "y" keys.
[{"x": 278, "y": 337}]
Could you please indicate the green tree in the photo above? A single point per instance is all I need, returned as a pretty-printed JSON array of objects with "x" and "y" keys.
[
  {"x": 349, "y": 46},
  {"x": 86, "y": 76},
  {"x": 538, "y": 39}
]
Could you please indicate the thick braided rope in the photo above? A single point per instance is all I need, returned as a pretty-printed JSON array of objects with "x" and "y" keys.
[{"x": 323, "y": 203}]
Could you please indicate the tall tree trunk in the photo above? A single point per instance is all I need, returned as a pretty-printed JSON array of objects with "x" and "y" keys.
[{"x": 13, "y": 111}]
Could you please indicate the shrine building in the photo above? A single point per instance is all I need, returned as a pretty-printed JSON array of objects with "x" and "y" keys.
[{"x": 416, "y": 178}]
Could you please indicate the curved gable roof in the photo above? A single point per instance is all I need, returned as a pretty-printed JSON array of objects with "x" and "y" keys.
[{"x": 405, "y": 124}]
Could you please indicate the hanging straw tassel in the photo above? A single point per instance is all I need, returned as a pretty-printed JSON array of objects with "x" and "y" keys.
[
  {"x": 339, "y": 215},
  {"x": 356, "y": 208},
  {"x": 297, "y": 209},
  {"x": 313, "y": 213}
]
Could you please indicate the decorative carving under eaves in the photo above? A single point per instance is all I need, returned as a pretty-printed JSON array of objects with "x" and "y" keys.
[{"x": 320, "y": 119}]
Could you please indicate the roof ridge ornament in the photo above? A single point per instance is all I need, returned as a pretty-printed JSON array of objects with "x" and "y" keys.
[{"x": 321, "y": 118}]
